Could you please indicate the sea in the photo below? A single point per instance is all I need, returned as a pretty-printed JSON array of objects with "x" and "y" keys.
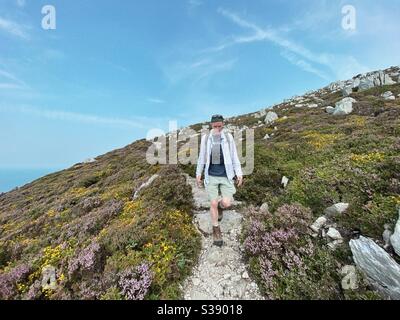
[{"x": 12, "y": 178}]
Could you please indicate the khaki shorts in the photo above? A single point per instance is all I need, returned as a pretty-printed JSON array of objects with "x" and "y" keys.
[{"x": 216, "y": 184}]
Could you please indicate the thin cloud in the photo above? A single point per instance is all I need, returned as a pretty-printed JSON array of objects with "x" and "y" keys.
[
  {"x": 10, "y": 86},
  {"x": 195, "y": 3},
  {"x": 304, "y": 65},
  {"x": 156, "y": 100},
  {"x": 12, "y": 81},
  {"x": 13, "y": 28},
  {"x": 137, "y": 122},
  {"x": 21, "y": 3},
  {"x": 196, "y": 71},
  {"x": 330, "y": 61}
]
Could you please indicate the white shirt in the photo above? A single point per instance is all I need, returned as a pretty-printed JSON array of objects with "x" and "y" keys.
[{"x": 231, "y": 159}]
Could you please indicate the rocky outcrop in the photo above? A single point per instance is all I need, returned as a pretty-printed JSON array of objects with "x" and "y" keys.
[{"x": 381, "y": 270}]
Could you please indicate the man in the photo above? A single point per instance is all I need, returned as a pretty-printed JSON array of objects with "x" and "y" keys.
[{"x": 218, "y": 156}]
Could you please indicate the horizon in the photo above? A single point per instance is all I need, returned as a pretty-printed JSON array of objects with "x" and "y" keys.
[{"x": 110, "y": 72}]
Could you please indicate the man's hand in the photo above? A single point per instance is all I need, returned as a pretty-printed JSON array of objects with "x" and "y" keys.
[
  {"x": 239, "y": 181},
  {"x": 199, "y": 181}
]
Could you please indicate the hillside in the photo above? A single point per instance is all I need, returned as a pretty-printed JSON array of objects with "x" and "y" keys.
[{"x": 92, "y": 232}]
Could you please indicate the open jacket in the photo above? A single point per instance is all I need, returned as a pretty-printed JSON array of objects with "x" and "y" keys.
[{"x": 229, "y": 151}]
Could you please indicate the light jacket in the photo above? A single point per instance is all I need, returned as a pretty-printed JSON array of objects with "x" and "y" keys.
[{"x": 229, "y": 151}]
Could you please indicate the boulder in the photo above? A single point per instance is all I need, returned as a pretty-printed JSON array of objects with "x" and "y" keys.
[
  {"x": 336, "y": 209},
  {"x": 388, "y": 80},
  {"x": 334, "y": 234},
  {"x": 381, "y": 270},
  {"x": 260, "y": 113},
  {"x": 264, "y": 207},
  {"x": 344, "y": 106},
  {"x": 271, "y": 117},
  {"x": 319, "y": 224},
  {"x": 388, "y": 95},
  {"x": 356, "y": 83},
  {"x": 386, "y": 236},
  {"x": 346, "y": 91},
  {"x": 284, "y": 181},
  {"x": 366, "y": 83},
  {"x": 312, "y": 105},
  {"x": 330, "y": 109},
  {"x": 395, "y": 238}
]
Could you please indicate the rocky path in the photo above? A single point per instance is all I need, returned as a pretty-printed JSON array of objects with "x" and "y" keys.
[{"x": 220, "y": 274}]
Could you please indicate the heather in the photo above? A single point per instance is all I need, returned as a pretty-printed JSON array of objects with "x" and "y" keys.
[{"x": 103, "y": 244}]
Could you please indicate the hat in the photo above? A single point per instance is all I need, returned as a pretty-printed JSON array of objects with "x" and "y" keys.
[{"x": 217, "y": 118}]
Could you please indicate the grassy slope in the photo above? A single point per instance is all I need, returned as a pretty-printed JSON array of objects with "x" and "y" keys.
[{"x": 82, "y": 220}]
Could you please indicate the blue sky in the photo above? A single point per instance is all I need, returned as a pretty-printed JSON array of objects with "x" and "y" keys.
[{"x": 112, "y": 70}]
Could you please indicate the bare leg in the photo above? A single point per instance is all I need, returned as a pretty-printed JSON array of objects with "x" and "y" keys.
[
  {"x": 214, "y": 212},
  {"x": 226, "y": 203}
]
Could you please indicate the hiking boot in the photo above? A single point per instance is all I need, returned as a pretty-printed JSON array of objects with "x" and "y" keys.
[
  {"x": 220, "y": 212},
  {"x": 217, "y": 236}
]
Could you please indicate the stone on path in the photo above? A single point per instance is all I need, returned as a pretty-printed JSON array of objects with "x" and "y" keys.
[{"x": 220, "y": 273}]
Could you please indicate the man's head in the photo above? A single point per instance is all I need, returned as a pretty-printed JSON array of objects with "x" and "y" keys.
[{"x": 217, "y": 122}]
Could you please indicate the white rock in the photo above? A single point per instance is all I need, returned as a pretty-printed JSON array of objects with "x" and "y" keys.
[
  {"x": 260, "y": 113},
  {"x": 318, "y": 224},
  {"x": 334, "y": 244},
  {"x": 312, "y": 105},
  {"x": 334, "y": 234},
  {"x": 299, "y": 105},
  {"x": 284, "y": 181},
  {"x": 336, "y": 209},
  {"x": 145, "y": 185},
  {"x": 366, "y": 83},
  {"x": 386, "y": 236},
  {"x": 344, "y": 106},
  {"x": 330, "y": 109},
  {"x": 388, "y": 80},
  {"x": 350, "y": 281},
  {"x": 388, "y": 95},
  {"x": 264, "y": 207},
  {"x": 90, "y": 160},
  {"x": 356, "y": 83},
  {"x": 245, "y": 275},
  {"x": 266, "y": 137},
  {"x": 395, "y": 238},
  {"x": 271, "y": 117},
  {"x": 346, "y": 91},
  {"x": 381, "y": 269}
]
